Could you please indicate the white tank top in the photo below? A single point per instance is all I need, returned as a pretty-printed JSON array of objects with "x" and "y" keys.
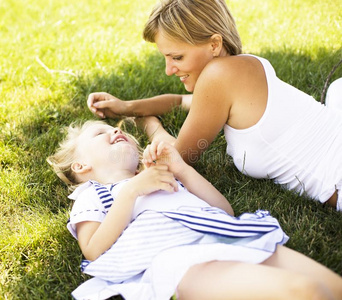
[{"x": 297, "y": 142}]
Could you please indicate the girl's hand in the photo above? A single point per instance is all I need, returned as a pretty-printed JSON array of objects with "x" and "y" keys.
[
  {"x": 105, "y": 105},
  {"x": 95, "y": 238},
  {"x": 164, "y": 153},
  {"x": 153, "y": 179}
]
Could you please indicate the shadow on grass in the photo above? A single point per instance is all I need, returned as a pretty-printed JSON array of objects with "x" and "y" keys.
[{"x": 314, "y": 230}]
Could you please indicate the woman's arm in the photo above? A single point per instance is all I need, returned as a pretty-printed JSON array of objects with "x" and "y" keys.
[
  {"x": 163, "y": 153},
  {"x": 208, "y": 113},
  {"x": 95, "y": 238},
  {"x": 106, "y": 105},
  {"x": 186, "y": 101},
  {"x": 230, "y": 90}
]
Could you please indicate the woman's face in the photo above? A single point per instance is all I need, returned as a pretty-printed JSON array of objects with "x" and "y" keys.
[{"x": 184, "y": 60}]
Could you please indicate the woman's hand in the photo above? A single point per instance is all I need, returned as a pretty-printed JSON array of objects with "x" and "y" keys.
[
  {"x": 105, "y": 105},
  {"x": 163, "y": 153}
]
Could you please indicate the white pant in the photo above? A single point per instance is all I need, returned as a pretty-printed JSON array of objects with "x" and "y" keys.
[
  {"x": 334, "y": 100},
  {"x": 334, "y": 95},
  {"x": 339, "y": 201}
]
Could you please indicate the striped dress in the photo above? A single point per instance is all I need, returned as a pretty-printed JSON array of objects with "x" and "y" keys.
[{"x": 168, "y": 233}]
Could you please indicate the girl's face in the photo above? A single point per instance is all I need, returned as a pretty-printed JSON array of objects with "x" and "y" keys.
[
  {"x": 184, "y": 60},
  {"x": 102, "y": 145}
]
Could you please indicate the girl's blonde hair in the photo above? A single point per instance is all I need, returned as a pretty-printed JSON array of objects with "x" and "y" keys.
[
  {"x": 194, "y": 22},
  {"x": 65, "y": 155}
]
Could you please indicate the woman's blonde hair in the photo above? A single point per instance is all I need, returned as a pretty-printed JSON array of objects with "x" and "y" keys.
[
  {"x": 65, "y": 155},
  {"x": 194, "y": 22}
]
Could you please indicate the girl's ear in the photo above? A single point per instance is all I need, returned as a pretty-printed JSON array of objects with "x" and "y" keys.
[
  {"x": 80, "y": 168},
  {"x": 216, "y": 43}
]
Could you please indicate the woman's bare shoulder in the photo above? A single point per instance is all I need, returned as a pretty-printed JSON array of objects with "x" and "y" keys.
[
  {"x": 234, "y": 65},
  {"x": 241, "y": 87},
  {"x": 232, "y": 71}
]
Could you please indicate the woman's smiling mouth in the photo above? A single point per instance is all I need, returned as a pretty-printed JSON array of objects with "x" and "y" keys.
[{"x": 183, "y": 78}]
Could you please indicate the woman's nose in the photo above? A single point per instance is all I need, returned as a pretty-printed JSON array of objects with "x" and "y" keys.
[{"x": 170, "y": 69}]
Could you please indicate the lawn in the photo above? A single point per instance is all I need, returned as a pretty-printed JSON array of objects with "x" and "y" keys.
[{"x": 54, "y": 53}]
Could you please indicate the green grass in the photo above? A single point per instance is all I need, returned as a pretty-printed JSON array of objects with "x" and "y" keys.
[{"x": 54, "y": 53}]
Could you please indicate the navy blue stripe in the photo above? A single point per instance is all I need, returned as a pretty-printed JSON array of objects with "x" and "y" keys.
[
  {"x": 109, "y": 200},
  {"x": 104, "y": 195},
  {"x": 106, "y": 198},
  {"x": 224, "y": 222},
  {"x": 227, "y": 230},
  {"x": 100, "y": 187},
  {"x": 211, "y": 228}
]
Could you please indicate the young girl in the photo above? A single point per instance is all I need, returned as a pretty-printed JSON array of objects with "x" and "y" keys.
[
  {"x": 154, "y": 233},
  {"x": 272, "y": 129}
]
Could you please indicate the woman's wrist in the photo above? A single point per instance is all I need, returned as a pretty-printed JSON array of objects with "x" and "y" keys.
[{"x": 128, "y": 108}]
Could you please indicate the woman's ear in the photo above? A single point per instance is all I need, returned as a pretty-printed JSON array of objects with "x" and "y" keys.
[
  {"x": 80, "y": 168},
  {"x": 216, "y": 43}
]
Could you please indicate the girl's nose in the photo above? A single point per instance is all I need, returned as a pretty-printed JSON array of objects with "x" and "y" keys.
[{"x": 117, "y": 130}]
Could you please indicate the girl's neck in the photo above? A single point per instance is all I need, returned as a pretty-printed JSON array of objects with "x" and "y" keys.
[{"x": 109, "y": 178}]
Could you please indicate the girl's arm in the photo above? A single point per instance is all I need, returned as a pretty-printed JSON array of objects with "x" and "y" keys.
[
  {"x": 154, "y": 129},
  {"x": 95, "y": 238},
  {"x": 106, "y": 105},
  {"x": 164, "y": 153},
  {"x": 203, "y": 189}
]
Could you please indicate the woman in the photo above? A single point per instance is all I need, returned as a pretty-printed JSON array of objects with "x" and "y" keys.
[{"x": 273, "y": 130}]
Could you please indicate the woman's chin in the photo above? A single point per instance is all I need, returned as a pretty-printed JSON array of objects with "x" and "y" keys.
[{"x": 189, "y": 88}]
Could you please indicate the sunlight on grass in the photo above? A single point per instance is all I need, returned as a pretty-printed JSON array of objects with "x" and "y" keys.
[
  {"x": 293, "y": 25},
  {"x": 54, "y": 53}
]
